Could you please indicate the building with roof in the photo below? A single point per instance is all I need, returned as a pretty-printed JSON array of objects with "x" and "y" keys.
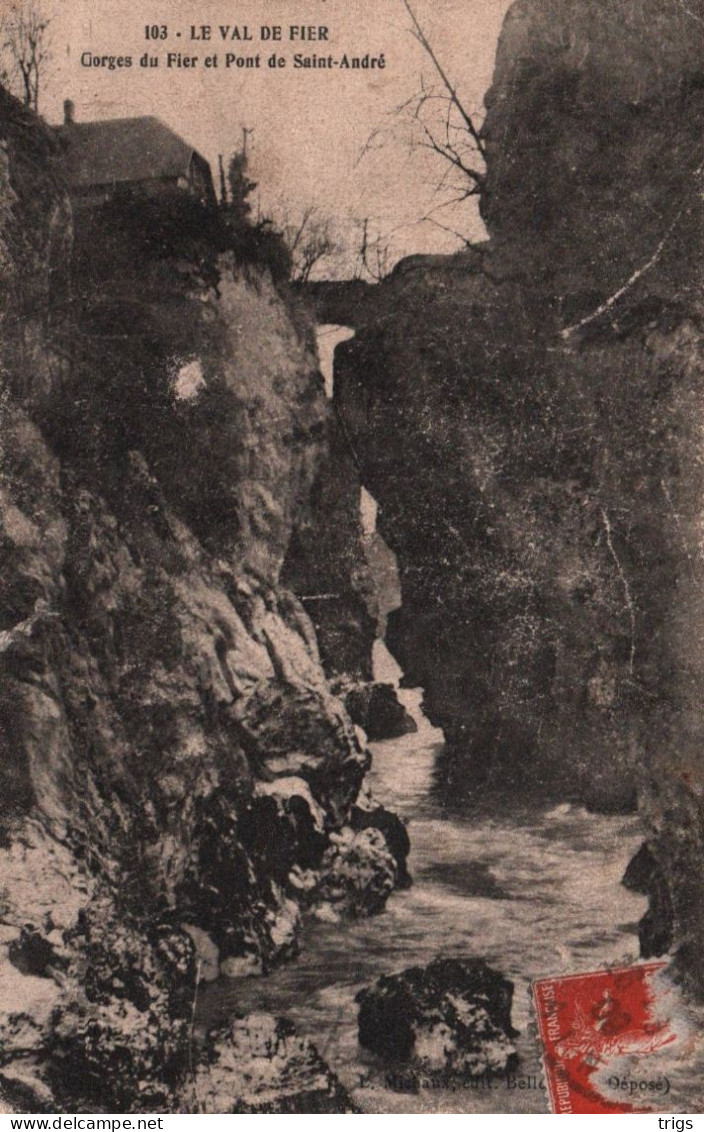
[{"x": 101, "y": 158}]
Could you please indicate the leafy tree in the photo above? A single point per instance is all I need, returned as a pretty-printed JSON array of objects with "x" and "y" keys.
[
  {"x": 240, "y": 186},
  {"x": 258, "y": 241}
]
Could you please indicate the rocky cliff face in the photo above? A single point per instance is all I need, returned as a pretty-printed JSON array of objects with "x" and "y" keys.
[
  {"x": 179, "y": 783},
  {"x": 529, "y": 418},
  {"x": 591, "y": 104},
  {"x": 336, "y": 586}
]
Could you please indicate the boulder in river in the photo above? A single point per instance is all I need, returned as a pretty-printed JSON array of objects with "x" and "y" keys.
[
  {"x": 646, "y": 876},
  {"x": 451, "y": 1017},
  {"x": 377, "y": 708},
  {"x": 358, "y": 875},
  {"x": 394, "y": 832}
]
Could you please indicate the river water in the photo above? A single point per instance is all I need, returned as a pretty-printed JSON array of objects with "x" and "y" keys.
[{"x": 532, "y": 892}]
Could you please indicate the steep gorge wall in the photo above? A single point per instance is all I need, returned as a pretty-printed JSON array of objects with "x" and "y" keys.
[
  {"x": 179, "y": 783},
  {"x": 336, "y": 585},
  {"x": 529, "y": 417}
]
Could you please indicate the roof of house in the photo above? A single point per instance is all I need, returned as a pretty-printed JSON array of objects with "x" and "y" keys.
[{"x": 121, "y": 150}]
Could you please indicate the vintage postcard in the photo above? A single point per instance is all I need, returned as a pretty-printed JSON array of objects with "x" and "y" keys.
[{"x": 352, "y": 566}]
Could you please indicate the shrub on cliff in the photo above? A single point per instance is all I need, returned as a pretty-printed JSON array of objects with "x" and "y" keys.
[{"x": 135, "y": 229}]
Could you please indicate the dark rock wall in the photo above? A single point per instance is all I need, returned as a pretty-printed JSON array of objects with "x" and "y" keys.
[
  {"x": 178, "y": 780},
  {"x": 593, "y": 136},
  {"x": 529, "y": 419},
  {"x": 326, "y": 564}
]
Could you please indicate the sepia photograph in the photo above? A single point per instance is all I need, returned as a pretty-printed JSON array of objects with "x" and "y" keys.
[{"x": 351, "y": 557}]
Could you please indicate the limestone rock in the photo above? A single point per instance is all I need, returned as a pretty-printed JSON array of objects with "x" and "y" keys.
[
  {"x": 377, "y": 709},
  {"x": 452, "y": 1017},
  {"x": 393, "y": 831},
  {"x": 527, "y": 416},
  {"x": 259, "y": 1064},
  {"x": 358, "y": 872},
  {"x": 207, "y": 954},
  {"x": 170, "y": 750}
]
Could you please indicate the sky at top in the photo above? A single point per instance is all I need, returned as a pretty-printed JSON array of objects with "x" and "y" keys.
[{"x": 307, "y": 127}]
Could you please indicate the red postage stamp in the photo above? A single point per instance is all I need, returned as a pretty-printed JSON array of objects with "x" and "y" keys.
[{"x": 591, "y": 1021}]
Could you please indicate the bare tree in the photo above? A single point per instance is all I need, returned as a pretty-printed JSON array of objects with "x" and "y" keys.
[
  {"x": 451, "y": 97},
  {"x": 310, "y": 237},
  {"x": 24, "y": 31},
  {"x": 373, "y": 253},
  {"x": 437, "y": 120}
]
